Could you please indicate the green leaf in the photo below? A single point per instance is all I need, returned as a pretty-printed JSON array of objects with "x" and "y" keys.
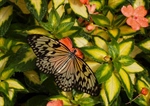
[
  {"x": 4, "y": 87},
  {"x": 126, "y": 82},
  {"x": 64, "y": 27},
  {"x": 57, "y": 3},
  {"x": 115, "y": 3},
  {"x": 53, "y": 19},
  {"x": 112, "y": 87},
  {"x": 113, "y": 49},
  {"x": 101, "y": 43},
  {"x": 101, "y": 20},
  {"x": 133, "y": 68},
  {"x": 5, "y": 17},
  {"x": 95, "y": 53},
  {"x": 1, "y": 3},
  {"x": 78, "y": 8},
  {"x": 145, "y": 45},
  {"x": 126, "y": 30},
  {"x": 99, "y": 4},
  {"x": 32, "y": 76},
  {"x": 38, "y": 100},
  {"x": 71, "y": 33},
  {"x": 7, "y": 73},
  {"x": 66, "y": 101},
  {"x": 119, "y": 21},
  {"x": 2, "y": 101},
  {"x": 103, "y": 73},
  {"x": 126, "y": 60},
  {"x": 3, "y": 62},
  {"x": 117, "y": 65},
  {"x": 81, "y": 42},
  {"x": 101, "y": 33},
  {"x": 114, "y": 33},
  {"x": 37, "y": 7},
  {"x": 143, "y": 101},
  {"x": 104, "y": 96},
  {"x": 87, "y": 101},
  {"x": 23, "y": 60},
  {"x": 11, "y": 94},
  {"x": 137, "y": 3},
  {"x": 110, "y": 16},
  {"x": 126, "y": 47},
  {"x": 15, "y": 84}
]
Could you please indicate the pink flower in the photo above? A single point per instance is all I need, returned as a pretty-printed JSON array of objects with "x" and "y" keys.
[
  {"x": 90, "y": 27},
  {"x": 135, "y": 17},
  {"x": 84, "y": 1},
  {"x": 55, "y": 103},
  {"x": 91, "y": 8}
]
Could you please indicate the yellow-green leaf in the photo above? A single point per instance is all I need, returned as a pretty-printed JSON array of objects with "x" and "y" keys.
[
  {"x": 93, "y": 65},
  {"x": 1, "y": 101},
  {"x": 115, "y": 3},
  {"x": 15, "y": 84},
  {"x": 125, "y": 47},
  {"x": 96, "y": 53},
  {"x": 110, "y": 16},
  {"x": 5, "y": 13},
  {"x": 32, "y": 76},
  {"x": 114, "y": 33},
  {"x": 3, "y": 63},
  {"x": 133, "y": 68},
  {"x": 5, "y": 19},
  {"x": 11, "y": 93},
  {"x": 6, "y": 74},
  {"x": 104, "y": 96},
  {"x": 22, "y": 5},
  {"x": 137, "y": 3},
  {"x": 126, "y": 82},
  {"x": 103, "y": 73},
  {"x": 145, "y": 45},
  {"x": 57, "y": 3},
  {"x": 112, "y": 87},
  {"x": 100, "y": 43},
  {"x": 78, "y": 8},
  {"x": 126, "y": 30},
  {"x": 28, "y": 56},
  {"x": 66, "y": 101},
  {"x": 102, "y": 33},
  {"x": 37, "y": 7},
  {"x": 81, "y": 42}
]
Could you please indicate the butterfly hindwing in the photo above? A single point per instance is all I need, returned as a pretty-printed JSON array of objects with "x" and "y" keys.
[
  {"x": 70, "y": 71},
  {"x": 86, "y": 80}
]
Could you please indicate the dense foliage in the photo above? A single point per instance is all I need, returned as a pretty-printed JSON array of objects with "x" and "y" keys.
[{"x": 113, "y": 36}]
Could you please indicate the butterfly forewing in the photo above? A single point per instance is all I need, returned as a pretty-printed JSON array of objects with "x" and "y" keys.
[
  {"x": 69, "y": 70},
  {"x": 44, "y": 46}
]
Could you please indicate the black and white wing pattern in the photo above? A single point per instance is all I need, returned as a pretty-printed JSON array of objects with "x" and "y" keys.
[{"x": 70, "y": 71}]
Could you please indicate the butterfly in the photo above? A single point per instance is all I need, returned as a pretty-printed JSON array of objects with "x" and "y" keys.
[{"x": 65, "y": 63}]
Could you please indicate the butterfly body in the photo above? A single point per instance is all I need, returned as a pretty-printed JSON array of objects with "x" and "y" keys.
[{"x": 65, "y": 63}]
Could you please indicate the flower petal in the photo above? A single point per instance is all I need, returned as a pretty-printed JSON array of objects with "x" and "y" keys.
[
  {"x": 140, "y": 11},
  {"x": 142, "y": 21},
  {"x": 127, "y": 11},
  {"x": 133, "y": 23},
  {"x": 91, "y": 8},
  {"x": 55, "y": 103}
]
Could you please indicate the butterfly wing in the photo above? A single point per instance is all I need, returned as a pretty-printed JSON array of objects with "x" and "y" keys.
[
  {"x": 85, "y": 78},
  {"x": 70, "y": 71},
  {"x": 48, "y": 52}
]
